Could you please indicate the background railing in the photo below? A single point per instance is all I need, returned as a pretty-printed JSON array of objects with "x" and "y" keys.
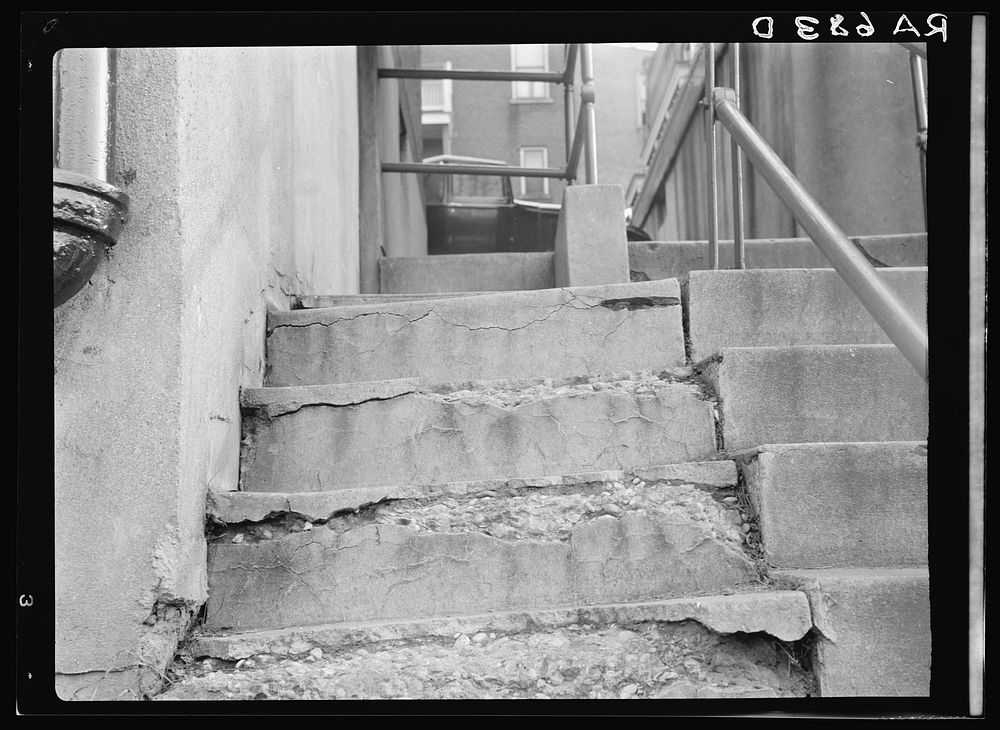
[
  {"x": 722, "y": 105},
  {"x": 581, "y": 136}
]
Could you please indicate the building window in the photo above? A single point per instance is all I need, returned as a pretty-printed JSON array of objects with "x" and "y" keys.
[
  {"x": 534, "y": 187},
  {"x": 530, "y": 57},
  {"x": 435, "y": 94}
]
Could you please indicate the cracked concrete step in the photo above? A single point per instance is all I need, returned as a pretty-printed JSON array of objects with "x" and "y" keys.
[
  {"x": 651, "y": 260},
  {"x": 817, "y": 393},
  {"x": 839, "y": 504},
  {"x": 494, "y": 549},
  {"x": 549, "y": 333},
  {"x": 874, "y": 630},
  {"x": 736, "y": 645},
  {"x": 325, "y": 301},
  {"x": 320, "y": 438},
  {"x": 788, "y": 307},
  {"x": 513, "y": 271}
]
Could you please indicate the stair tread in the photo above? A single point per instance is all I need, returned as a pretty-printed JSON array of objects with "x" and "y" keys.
[
  {"x": 709, "y": 646},
  {"x": 545, "y": 333},
  {"x": 781, "y": 612},
  {"x": 235, "y": 507}
]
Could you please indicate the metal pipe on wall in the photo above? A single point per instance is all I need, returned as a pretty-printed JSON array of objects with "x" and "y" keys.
[
  {"x": 711, "y": 154},
  {"x": 739, "y": 254},
  {"x": 84, "y": 111}
]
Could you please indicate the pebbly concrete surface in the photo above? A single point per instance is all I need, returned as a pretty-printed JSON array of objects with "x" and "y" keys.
[
  {"x": 817, "y": 393},
  {"x": 230, "y": 507},
  {"x": 579, "y": 660},
  {"x": 550, "y": 333},
  {"x": 591, "y": 246},
  {"x": 467, "y": 272},
  {"x": 874, "y": 625},
  {"x": 839, "y": 504},
  {"x": 479, "y": 431},
  {"x": 788, "y": 307},
  {"x": 585, "y": 544},
  {"x": 651, "y": 260}
]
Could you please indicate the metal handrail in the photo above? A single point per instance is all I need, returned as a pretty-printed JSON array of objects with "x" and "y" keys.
[
  {"x": 920, "y": 110},
  {"x": 581, "y": 139},
  {"x": 880, "y": 301}
]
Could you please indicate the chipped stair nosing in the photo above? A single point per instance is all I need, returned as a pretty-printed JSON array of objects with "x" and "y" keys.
[{"x": 784, "y": 614}]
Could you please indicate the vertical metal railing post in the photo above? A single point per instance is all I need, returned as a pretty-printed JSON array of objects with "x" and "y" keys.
[
  {"x": 711, "y": 153},
  {"x": 568, "y": 104},
  {"x": 739, "y": 255},
  {"x": 587, "y": 110},
  {"x": 920, "y": 108}
]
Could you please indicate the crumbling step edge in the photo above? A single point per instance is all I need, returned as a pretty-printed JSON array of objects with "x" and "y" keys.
[
  {"x": 235, "y": 507},
  {"x": 784, "y": 614}
]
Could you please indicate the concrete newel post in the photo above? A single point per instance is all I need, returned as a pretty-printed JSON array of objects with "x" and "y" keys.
[{"x": 591, "y": 247}]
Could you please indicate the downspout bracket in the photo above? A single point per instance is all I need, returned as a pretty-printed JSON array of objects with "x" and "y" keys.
[{"x": 87, "y": 218}]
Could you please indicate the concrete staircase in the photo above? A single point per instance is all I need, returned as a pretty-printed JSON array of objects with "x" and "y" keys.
[{"x": 620, "y": 491}]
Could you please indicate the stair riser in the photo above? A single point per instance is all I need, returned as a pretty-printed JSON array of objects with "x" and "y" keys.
[
  {"x": 829, "y": 505},
  {"x": 670, "y": 259},
  {"x": 550, "y": 333},
  {"x": 831, "y": 393},
  {"x": 467, "y": 272},
  {"x": 420, "y": 438},
  {"x": 788, "y": 307},
  {"x": 874, "y": 631}
]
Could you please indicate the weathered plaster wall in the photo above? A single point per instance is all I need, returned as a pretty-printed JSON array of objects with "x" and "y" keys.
[{"x": 242, "y": 168}]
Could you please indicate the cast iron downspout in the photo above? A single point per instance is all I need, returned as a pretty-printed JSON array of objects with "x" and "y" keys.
[{"x": 87, "y": 213}]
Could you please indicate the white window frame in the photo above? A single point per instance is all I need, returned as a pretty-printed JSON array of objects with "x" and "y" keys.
[
  {"x": 514, "y": 97},
  {"x": 523, "y": 185}
]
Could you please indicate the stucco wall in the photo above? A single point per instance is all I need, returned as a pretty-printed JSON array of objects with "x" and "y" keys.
[{"x": 242, "y": 167}]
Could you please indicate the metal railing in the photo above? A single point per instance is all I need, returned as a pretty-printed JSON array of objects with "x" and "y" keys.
[
  {"x": 722, "y": 105},
  {"x": 581, "y": 136},
  {"x": 917, "y": 56}
]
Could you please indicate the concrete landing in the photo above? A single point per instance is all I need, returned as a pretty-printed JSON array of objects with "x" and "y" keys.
[
  {"x": 549, "y": 333},
  {"x": 601, "y": 542},
  {"x": 840, "y": 504},
  {"x": 651, "y": 260},
  {"x": 788, "y": 307},
  {"x": 467, "y": 272},
  {"x": 817, "y": 393},
  {"x": 875, "y": 630},
  {"x": 719, "y": 646},
  {"x": 481, "y": 430}
]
